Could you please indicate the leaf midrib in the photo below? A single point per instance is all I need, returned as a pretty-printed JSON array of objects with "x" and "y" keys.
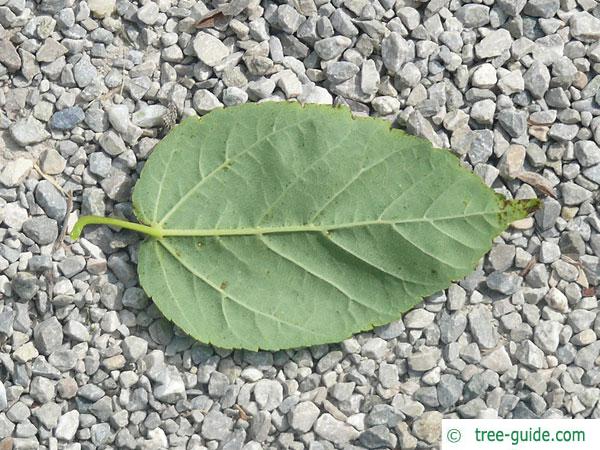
[{"x": 252, "y": 231}]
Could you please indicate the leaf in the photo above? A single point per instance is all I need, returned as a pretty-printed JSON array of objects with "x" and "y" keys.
[{"x": 276, "y": 226}]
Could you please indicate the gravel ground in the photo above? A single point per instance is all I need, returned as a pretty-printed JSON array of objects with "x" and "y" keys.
[{"x": 87, "y": 89}]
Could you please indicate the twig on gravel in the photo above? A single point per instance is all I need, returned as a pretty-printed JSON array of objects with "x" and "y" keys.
[
  {"x": 528, "y": 267},
  {"x": 63, "y": 231},
  {"x": 243, "y": 414},
  {"x": 49, "y": 178}
]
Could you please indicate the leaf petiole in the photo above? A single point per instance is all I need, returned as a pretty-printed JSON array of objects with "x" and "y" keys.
[{"x": 97, "y": 220}]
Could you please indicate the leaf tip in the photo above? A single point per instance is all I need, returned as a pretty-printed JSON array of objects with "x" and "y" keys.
[{"x": 512, "y": 210}]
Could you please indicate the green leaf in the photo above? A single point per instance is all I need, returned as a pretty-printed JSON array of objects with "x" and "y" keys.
[{"x": 276, "y": 226}]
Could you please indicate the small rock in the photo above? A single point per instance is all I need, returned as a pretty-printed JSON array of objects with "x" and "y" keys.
[
  {"x": 205, "y": 101},
  {"x": 494, "y": 44},
  {"x": 41, "y": 229},
  {"x": 341, "y": 71},
  {"x": 537, "y": 79},
  {"x": 48, "y": 335},
  {"x": 388, "y": 375},
  {"x": 505, "y": 283},
  {"x": 473, "y": 16},
  {"x": 100, "y": 164},
  {"x": 216, "y": 425},
  {"x": 303, "y": 416},
  {"x": 585, "y": 27},
  {"x": 25, "y": 353},
  {"x": 289, "y": 83},
  {"x": 42, "y": 389},
  {"x": 84, "y": 71},
  {"x": 530, "y": 355},
  {"x": 587, "y": 153},
  {"x": 332, "y": 47},
  {"x": 28, "y": 131},
  {"x": 451, "y": 326},
  {"x": 511, "y": 163},
  {"x": 25, "y": 285},
  {"x": 9, "y": 56},
  {"x": 101, "y": 8},
  {"x": 374, "y": 348},
  {"x": 513, "y": 122},
  {"x": 498, "y": 360},
  {"x": 426, "y": 358},
  {"x": 541, "y": 8},
  {"x": 148, "y": 13},
  {"x": 573, "y": 194},
  {"x": 101, "y": 434},
  {"x": 288, "y": 19},
  {"x": 52, "y": 162},
  {"x": 210, "y": 50},
  {"x": 394, "y": 52},
  {"x": 50, "y": 200},
  {"x": 268, "y": 394},
  {"x": 134, "y": 347},
  {"x": 48, "y": 414},
  {"x": 480, "y": 323},
  {"x": 449, "y": 390},
  {"x": 378, "y": 436},
  {"x": 557, "y": 300},
  {"x": 3, "y": 399},
  {"x": 485, "y": 75},
  {"x": 67, "y": 118},
  {"x": 562, "y": 132},
  {"x": 428, "y": 427},
  {"x": 171, "y": 388},
  {"x": 112, "y": 143},
  {"x": 418, "y": 318},
  {"x": 50, "y": 51},
  {"x": 15, "y": 172},
  {"x": 150, "y": 116},
  {"x": 483, "y": 111},
  {"x": 331, "y": 429}
]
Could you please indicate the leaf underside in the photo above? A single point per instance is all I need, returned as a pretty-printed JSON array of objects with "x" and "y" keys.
[{"x": 287, "y": 226}]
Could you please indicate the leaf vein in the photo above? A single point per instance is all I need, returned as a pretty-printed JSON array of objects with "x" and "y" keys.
[
  {"x": 222, "y": 166},
  {"x": 316, "y": 275},
  {"x": 170, "y": 289},
  {"x": 347, "y": 185},
  {"x": 222, "y": 292}
]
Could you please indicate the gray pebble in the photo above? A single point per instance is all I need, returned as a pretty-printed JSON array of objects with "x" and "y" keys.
[
  {"x": 28, "y": 131},
  {"x": 303, "y": 416},
  {"x": 84, "y": 72},
  {"x": 48, "y": 335},
  {"x": 394, "y": 52},
  {"x": 51, "y": 200},
  {"x": 505, "y": 283},
  {"x": 329, "y": 428},
  {"x": 216, "y": 425},
  {"x": 41, "y": 229},
  {"x": 330, "y": 48},
  {"x": 9, "y": 56},
  {"x": 473, "y": 15},
  {"x": 480, "y": 323},
  {"x": 537, "y": 79},
  {"x": 67, "y": 118}
]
